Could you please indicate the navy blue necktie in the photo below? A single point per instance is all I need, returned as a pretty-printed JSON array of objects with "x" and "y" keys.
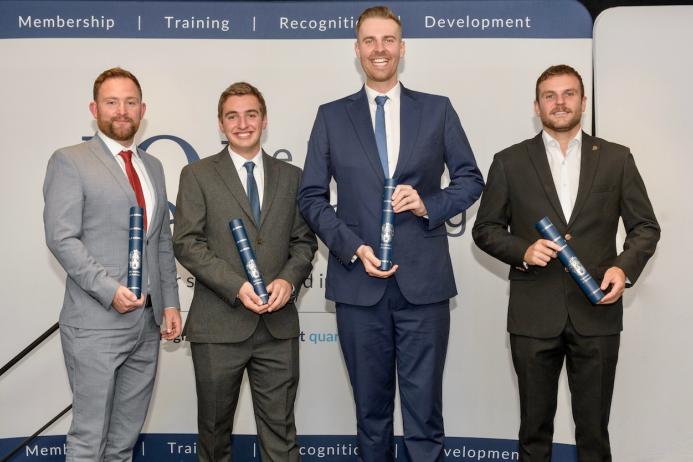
[
  {"x": 253, "y": 195},
  {"x": 380, "y": 136}
]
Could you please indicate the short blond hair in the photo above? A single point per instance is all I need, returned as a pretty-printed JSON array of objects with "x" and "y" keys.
[{"x": 382, "y": 12}]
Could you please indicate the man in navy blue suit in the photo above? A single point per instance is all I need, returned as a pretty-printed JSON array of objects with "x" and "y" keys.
[{"x": 395, "y": 321}]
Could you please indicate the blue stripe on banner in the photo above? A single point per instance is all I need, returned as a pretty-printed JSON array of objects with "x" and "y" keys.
[
  {"x": 159, "y": 447},
  {"x": 290, "y": 20}
]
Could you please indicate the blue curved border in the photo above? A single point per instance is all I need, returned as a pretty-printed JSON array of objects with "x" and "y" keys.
[{"x": 181, "y": 447}]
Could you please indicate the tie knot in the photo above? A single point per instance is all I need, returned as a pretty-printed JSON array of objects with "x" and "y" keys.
[
  {"x": 126, "y": 155},
  {"x": 380, "y": 100},
  {"x": 249, "y": 166}
]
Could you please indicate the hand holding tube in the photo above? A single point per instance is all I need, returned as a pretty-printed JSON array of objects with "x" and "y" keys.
[
  {"x": 245, "y": 250},
  {"x": 567, "y": 256}
]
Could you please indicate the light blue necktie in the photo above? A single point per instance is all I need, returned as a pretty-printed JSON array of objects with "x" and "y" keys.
[
  {"x": 380, "y": 137},
  {"x": 253, "y": 195}
]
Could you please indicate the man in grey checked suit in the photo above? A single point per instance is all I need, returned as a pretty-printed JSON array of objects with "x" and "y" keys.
[
  {"x": 110, "y": 338},
  {"x": 229, "y": 328}
]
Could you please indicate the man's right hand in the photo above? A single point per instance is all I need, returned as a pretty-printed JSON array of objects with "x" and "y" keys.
[
  {"x": 371, "y": 263},
  {"x": 250, "y": 299},
  {"x": 124, "y": 300},
  {"x": 541, "y": 252}
]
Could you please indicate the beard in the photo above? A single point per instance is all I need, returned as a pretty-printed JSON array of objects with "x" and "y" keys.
[
  {"x": 118, "y": 132},
  {"x": 564, "y": 125}
]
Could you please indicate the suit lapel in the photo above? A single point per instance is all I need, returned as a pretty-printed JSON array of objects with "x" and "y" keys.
[
  {"x": 409, "y": 123},
  {"x": 99, "y": 149},
  {"x": 589, "y": 161},
  {"x": 271, "y": 170},
  {"x": 360, "y": 116},
  {"x": 537, "y": 154},
  {"x": 229, "y": 175}
]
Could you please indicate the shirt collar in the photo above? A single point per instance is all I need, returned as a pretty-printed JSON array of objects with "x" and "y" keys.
[
  {"x": 392, "y": 94},
  {"x": 239, "y": 160},
  {"x": 551, "y": 141},
  {"x": 115, "y": 147}
]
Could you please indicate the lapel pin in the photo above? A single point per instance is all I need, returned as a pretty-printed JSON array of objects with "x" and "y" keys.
[{"x": 594, "y": 147}]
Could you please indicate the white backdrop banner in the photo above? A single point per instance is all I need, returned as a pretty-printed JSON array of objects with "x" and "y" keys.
[
  {"x": 643, "y": 100},
  {"x": 485, "y": 56}
]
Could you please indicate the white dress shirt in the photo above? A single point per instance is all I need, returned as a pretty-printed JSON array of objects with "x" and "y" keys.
[
  {"x": 147, "y": 188},
  {"x": 565, "y": 169},
  {"x": 391, "y": 108},
  {"x": 258, "y": 171}
]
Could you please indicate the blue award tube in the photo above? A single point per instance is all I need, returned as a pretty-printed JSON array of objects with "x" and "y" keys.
[
  {"x": 245, "y": 250},
  {"x": 135, "y": 251},
  {"x": 567, "y": 256},
  {"x": 387, "y": 225}
]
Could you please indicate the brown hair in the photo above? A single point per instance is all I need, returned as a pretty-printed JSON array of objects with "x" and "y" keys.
[
  {"x": 377, "y": 12},
  {"x": 553, "y": 71},
  {"x": 115, "y": 73},
  {"x": 240, "y": 89}
]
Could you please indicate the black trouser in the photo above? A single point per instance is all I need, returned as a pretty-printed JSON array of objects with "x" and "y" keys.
[{"x": 591, "y": 367}]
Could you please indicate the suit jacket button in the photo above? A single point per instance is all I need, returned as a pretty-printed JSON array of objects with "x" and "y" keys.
[
  {"x": 568, "y": 237},
  {"x": 259, "y": 242}
]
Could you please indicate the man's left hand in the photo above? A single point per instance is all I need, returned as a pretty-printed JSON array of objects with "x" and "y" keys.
[
  {"x": 280, "y": 292},
  {"x": 407, "y": 198},
  {"x": 171, "y": 327},
  {"x": 615, "y": 277}
]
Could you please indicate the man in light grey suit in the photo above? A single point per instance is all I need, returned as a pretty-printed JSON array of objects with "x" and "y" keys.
[
  {"x": 110, "y": 338},
  {"x": 229, "y": 328}
]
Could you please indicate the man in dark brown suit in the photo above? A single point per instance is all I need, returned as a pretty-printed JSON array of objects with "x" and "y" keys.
[{"x": 584, "y": 185}]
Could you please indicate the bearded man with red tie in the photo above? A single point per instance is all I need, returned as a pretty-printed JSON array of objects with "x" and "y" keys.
[{"x": 110, "y": 338}]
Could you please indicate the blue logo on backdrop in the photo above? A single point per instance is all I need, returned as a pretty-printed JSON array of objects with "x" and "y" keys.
[{"x": 162, "y": 447}]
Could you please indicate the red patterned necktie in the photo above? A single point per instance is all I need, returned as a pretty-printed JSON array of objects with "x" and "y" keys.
[{"x": 134, "y": 182}]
